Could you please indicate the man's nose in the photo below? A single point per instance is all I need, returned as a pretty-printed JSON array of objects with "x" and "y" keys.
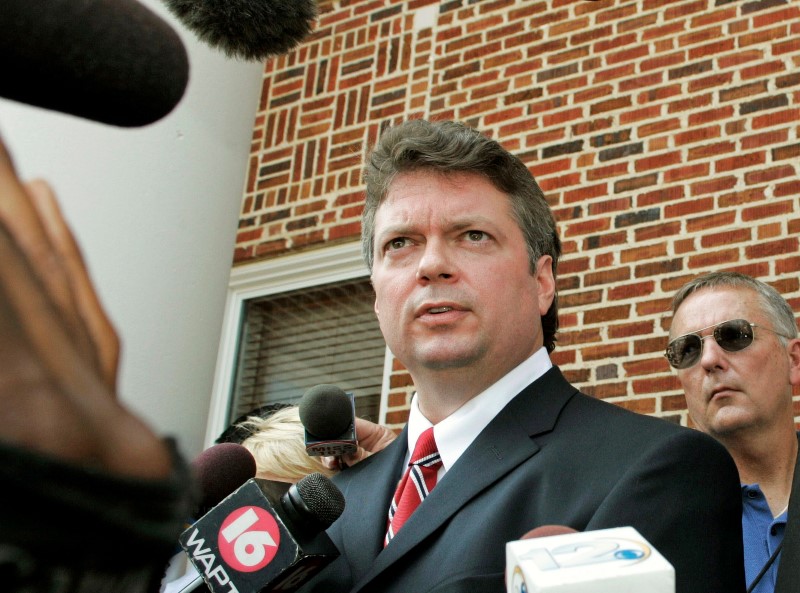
[
  {"x": 712, "y": 355},
  {"x": 436, "y": 263}
]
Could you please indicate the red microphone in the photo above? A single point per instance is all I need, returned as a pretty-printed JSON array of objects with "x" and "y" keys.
[
  {"x": 220, "y": 470},
  {"x": 548, "y": 530}
]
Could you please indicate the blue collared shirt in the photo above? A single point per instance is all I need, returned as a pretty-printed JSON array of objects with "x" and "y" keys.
[{"x": 762, "y": 534}]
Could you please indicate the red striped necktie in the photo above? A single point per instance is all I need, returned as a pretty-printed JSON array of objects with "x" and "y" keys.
[{"x": 416, "y": 484}]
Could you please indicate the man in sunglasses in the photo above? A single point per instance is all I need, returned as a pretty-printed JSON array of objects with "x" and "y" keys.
[{"x": 734, "y": 344}]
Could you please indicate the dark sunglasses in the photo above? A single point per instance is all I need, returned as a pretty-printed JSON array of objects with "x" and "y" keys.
[{"x": 732, "y": 336}]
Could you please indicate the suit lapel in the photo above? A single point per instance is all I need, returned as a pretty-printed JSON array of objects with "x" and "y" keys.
[
  {"x": 502, "y": 446},
  {"x": 786, "y": 580},
  {"x": 369, "y": 494}
]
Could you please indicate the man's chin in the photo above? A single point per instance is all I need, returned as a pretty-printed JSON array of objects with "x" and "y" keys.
[
  {"x": 444, "y": 364},
  {"x": 728, "y": 422},
  {"x": 448, "y": 359}
]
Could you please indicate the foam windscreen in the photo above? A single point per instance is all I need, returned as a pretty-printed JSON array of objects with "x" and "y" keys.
[{"x": 110, "y": 61}]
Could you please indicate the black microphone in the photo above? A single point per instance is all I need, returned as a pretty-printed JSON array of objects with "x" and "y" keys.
[
  {"x": 248, "y": 29},
  {"x": 251, "y": 542},
  {"x": 328, "y": 415},
  {"x": 219, "y": 470},
  {"x": 110, "y": 61}
]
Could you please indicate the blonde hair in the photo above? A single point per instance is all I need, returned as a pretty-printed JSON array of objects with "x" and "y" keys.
[{"x": 278, "y": 446}]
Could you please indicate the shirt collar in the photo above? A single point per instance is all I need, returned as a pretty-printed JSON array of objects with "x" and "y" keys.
[{"x": 456, "y": 432}]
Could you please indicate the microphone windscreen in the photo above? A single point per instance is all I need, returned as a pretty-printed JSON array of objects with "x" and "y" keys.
[
  {"x": 321, "y": 497},
  {"x": 314, "y": 503},
  {"x": 220, "y": 470},
  {"x": 325, "y": 411},
  {"x": 248, "y": 29},
  {"x": 548, "y": 530},
  {"x": 110, "y": 61}
]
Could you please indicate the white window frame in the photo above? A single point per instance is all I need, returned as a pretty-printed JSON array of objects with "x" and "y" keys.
[{"x": 271, "y": 277}]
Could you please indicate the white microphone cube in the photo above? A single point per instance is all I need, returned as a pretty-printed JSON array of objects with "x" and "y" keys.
[{"x": 617, "y": 560}]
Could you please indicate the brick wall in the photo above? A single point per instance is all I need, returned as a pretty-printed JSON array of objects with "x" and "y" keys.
[{"x": 664, "y": 134}]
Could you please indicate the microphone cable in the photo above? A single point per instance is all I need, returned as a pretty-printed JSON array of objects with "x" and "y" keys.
[{"x": 765, "y": 568}]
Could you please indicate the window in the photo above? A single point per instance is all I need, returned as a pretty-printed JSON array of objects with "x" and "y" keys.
[
  {"x": 293, "y": 341},
  {"x": 294, "y": 322}
]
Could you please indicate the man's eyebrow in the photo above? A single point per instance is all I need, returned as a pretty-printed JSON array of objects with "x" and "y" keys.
[
  {"x": 464, "y": 222},
  {"x": 474, "y": 221},
  {"x": 394, "y": 229}
]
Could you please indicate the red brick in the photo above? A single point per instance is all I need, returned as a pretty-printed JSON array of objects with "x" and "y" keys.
[{"x": 715, "y": 186}]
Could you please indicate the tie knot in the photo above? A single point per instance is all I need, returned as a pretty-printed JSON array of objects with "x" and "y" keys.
[{"x": 425, "y": 450}]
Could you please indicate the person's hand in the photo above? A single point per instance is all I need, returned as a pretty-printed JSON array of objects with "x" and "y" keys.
[
  {"x": 371, "y": 439},
  {"x": 58, "y": 350}
]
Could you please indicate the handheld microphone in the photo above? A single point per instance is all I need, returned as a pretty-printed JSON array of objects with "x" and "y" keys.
[
  {"x": 558, "y": 559},
  {"x": 110, "y": 61},
  {"x": 548, "y": 530},
  {"x": 328, "y": 415},
  {"x": 252, "y": 543},
  {"x": 248, "y": 29},
  {"x": 219, "y": 470}
]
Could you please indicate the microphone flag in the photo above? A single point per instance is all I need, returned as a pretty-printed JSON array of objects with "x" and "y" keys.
[
  {"x": 617, "y": 560},
  {"x": 248, "y": 543}
]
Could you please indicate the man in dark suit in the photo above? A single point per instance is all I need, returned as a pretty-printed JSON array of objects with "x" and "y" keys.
[
  {"x": 734, "y": 345},
  {"x": 463, "y": 248}
]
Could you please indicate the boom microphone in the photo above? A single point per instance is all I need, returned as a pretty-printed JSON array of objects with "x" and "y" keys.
[
  {"x": 558, "y": 559},
  {"x": 110, "y": 61},
  {"x": 252, "y": 542},
  {"x": 328, "y": 415},
  {"x": 249, "y": 29}
]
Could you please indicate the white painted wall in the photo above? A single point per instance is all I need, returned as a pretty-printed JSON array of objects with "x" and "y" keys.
[{"x": 155, "y": 210}]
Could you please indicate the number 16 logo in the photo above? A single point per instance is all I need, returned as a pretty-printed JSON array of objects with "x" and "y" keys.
[{"x": 249, "y": 539}]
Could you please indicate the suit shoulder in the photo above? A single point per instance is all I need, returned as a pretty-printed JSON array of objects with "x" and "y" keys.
[
  {"x": 603, "y": 409},
  {"x": 655, "y": 429}
]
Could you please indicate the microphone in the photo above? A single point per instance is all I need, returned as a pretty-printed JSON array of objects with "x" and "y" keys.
[
  {"x": 548, "y": 530},
  {"x": 558, "y": 559},
  {"x": 219, "y": 470},
  {"x": 248, "y": 29},
  {"x": 110, "y": 61},
  {"x": 328, "y": 415},
  {"x": 251, "y": 542}
]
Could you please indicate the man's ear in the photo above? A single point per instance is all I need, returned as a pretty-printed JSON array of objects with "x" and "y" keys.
[
  {"x": 375, "y": 304},
  {"x": 793, "y": 348},
  {"x": 545, "y": 283}
]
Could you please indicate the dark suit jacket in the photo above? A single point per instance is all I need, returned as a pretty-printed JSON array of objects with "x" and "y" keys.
[
  {"x": 788, "y": 580},
  {"x": 551, "y": 456}
]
